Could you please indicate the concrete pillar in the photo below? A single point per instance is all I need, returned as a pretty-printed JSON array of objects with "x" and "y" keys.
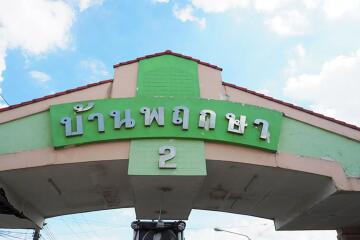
[{"x": 351, "y": 233}]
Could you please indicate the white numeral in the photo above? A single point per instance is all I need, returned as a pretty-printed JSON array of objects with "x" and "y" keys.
[{"x": 166, "y": 153}]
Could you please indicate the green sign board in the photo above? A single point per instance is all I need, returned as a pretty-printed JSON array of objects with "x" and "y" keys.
[{"x": 165, "y": 117}]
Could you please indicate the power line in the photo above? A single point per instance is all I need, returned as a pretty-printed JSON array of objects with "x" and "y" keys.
[
  {"x": 14, "y": 234},
  {"x": 4, "y": 236},
  {"x": 88, "y": 224},
  {"x": 71, "y": 229},
  {"x": 48, "y": 232},
  {"x": 81, "y": 227},
  {"x": 9, "y": 236},
  {"x": 4, "y": 100}
]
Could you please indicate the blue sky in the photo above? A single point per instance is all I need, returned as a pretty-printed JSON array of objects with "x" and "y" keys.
[
  {"x": 304, "y": 51},
  {"x": 278, "y": 47},
  {"x": 114, "y": 225}
]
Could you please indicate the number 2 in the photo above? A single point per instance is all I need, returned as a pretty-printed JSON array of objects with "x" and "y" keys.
[{"x": 167, "y": 153}]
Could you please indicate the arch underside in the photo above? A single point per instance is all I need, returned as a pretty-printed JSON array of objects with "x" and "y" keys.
[{"x": 239, "y": 182}]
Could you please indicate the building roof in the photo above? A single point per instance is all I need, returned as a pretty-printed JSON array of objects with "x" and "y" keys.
[
  {"x": 54, "y": 95},
  {"x": 168, "y": 52},
  {"x": 291, "y": 106},
  {"x": 224, "y": 83}
]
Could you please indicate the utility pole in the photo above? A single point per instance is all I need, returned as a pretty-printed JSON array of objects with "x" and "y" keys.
[{"x": 36, "y": 235}]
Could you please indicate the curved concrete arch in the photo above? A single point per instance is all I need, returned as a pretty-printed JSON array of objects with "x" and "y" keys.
[
  {"x": 239, "y": 180},
  {"x": 309, "y": 180}
]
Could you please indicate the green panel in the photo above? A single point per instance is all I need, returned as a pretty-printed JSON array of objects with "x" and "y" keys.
[
  {"x": 24, "y": 134},
  {"x": 189, "y": 158},
  {"x": 220, "y": 133},
  {"x": 168, "y": 76},
  {"x": 305, "y": 140}
]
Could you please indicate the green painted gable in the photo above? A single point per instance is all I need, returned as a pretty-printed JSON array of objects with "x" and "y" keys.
[{"x": 169, "y": 76}]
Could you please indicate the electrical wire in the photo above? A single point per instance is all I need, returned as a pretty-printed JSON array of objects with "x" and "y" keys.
[
  {"x": 14, "y": 234},
  {"x": 80, "y": 226},
  {"x": 10, "y": 236},
  {"x": 48, "y": 232},
  {"x": 89, "y": 226},
  {"x": 5, "y": 237},
  {"x": 71, "y": 229},
  {"x": 4, "y": 100}
]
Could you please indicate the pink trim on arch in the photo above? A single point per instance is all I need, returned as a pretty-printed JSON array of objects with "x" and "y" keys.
[
  {"x": 291, "y": 106},
  {"x": 54, "y": 95}
]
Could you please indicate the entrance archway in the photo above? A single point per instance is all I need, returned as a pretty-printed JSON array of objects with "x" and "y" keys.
[{"x": 166, "y": 134}]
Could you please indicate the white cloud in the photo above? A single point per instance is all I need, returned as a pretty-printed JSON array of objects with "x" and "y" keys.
[
  {"x": 269, "y": 5},
  {"x": 161, "y": 1},
  {"x": 186, "y": 14},
  {"x": 326, "y": 111},
  {"x": 255, "y": 228},
  {"x": 40, "y": 76},
  {"x": 296, "y": 61},
  {"x": 284, "y": 17},
  {"x": 255, "y": 231},
  {"x": 216, "y": 6},
  {"x": 35, "y": 27},
  {"x": 300, "y": 51},
  {"x": 312, "y": 4},
  {"x": 335, "y": 9},
  {"x": 264, "y": 91},
  {"x": 2, "y": 105},
  {"x": 288, "y": 23},
  {"x": 209, "y": 234},
  {"x": 125, "y": 213},
  {"x": 2, "y": 57},
  {"x": 85, "y": 4},
  {"x": 334, "y": 90},
  {"x": 201, "y": 224},
  {"x": 95, "y": 69}
]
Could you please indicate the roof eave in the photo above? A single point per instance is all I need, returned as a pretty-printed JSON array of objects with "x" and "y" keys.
[{"x": 168, "y": 52}]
